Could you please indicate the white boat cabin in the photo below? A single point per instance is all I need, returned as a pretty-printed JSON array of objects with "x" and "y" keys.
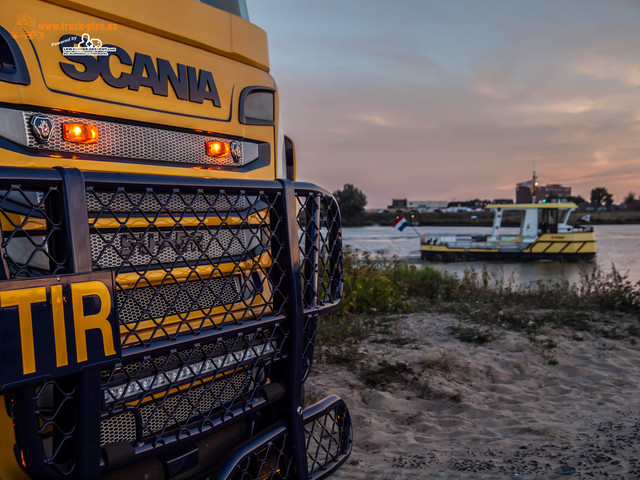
[{"x": 537, "y": 219}]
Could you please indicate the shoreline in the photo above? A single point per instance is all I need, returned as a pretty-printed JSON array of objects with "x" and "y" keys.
[
  {"x": 493, "y": 410},
  {"x": 485, "y": 219}
]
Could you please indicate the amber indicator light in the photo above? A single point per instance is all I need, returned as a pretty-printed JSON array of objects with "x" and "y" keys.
[
  {"x": 79, "y": 133},
  {"x": 218, "y": 149}
]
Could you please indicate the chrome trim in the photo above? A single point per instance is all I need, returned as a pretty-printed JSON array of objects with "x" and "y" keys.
[{"x": 124, "y": 141}]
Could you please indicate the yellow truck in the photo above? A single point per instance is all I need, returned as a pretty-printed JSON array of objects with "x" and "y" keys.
[{"x": 161, "y": 271}]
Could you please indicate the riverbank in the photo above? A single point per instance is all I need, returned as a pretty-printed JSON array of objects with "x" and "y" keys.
[
  {"x": 474, "y": 377},
  {"x": 423, "y": 401}
]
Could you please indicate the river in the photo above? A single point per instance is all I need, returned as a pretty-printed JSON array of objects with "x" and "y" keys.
[{"x": 615, "y": 244}]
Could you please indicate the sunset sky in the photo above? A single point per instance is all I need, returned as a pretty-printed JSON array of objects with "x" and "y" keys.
[{"x": 458, "y": 99}]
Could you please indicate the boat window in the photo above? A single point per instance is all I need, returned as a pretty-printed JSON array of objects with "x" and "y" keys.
[
  {"x": 237, "y": 7},
  {"x": 549, "y": 223}
]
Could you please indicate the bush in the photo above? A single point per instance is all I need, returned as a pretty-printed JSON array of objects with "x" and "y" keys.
[
  {"x": 374, "y": 283},
  {"x": 368, "y": 287}
]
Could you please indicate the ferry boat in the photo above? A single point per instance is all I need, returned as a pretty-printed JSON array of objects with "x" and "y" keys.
[{"x": 544, "y": 234}]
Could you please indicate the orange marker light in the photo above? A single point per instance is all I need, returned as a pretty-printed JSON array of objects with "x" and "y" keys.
[
  {"x": 79, "y": 133},
  {"x": 218, "y": 149}
]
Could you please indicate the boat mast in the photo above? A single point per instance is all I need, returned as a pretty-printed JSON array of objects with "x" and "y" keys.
[{"x": 534, "y": 184}]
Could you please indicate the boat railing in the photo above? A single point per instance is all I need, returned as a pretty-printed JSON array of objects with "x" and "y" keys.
[{"x": 467, "y": 241}]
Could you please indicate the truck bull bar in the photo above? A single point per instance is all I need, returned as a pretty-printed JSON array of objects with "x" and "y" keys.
[{"x": 216, "y": 287}]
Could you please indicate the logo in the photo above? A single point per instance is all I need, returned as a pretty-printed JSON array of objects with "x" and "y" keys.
[
  {"x": 154, "y": 244},
  {"x": 41, "y": 127},
  {"x": 26, "y": 27},
  {"x": 236, "y": 151},
  {"x": 157, "y": 74},
  {"x": 88, "y": 46}
]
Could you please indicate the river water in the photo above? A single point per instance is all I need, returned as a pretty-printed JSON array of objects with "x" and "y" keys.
[{"x": 615, "y": 244}]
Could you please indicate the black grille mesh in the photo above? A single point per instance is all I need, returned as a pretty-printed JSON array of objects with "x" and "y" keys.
[
  {"x": 31, "y": 225},
  {"x": 185, "y": 260},
  {"x": 205, "y": 268},
  {"x": 320, "y": 240},
  {"x": 55, "y": 406},
  {"x": 329, "y": 439},
  {"x": 272, "y": 461},
  {"x": 189, "y": 390}
]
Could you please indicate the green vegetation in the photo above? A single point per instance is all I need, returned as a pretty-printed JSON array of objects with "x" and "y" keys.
[
  {"x": 473, "y": 334},
  {"x": 352, "y": 201},
  {"x": 374, "y": 283},
  {"x": 384, "y": 373},
  {"x": 377, "y": 288},
  {"x": 601, "y": 196}
]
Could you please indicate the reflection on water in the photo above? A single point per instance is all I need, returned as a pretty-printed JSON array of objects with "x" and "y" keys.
[{"x": 616, "y": 245}]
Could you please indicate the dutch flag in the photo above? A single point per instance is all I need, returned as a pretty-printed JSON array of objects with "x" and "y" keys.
[{"x": 400, "y": 223}]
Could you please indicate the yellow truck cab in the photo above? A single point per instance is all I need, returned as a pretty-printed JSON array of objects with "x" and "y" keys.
[{"x": 161, "y": 271}]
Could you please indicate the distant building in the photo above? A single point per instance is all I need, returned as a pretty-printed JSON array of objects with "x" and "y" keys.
[
  {"x": 426, "y": 205},
  {"x": 502, "y": 201},
  {"x": 531, "y": 192},
  {"x": 398, "y": 204},
  {"x": 464, "y": 206},
  {"x": 404, "y": 205},
  {"x": 556, "y": 192}
]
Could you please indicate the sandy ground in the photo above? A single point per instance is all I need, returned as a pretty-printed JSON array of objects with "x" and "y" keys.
[{"x": 496, "y": 410}]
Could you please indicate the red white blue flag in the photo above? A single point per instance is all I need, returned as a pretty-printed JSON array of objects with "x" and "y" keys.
[{"x": 400, "y": 223}]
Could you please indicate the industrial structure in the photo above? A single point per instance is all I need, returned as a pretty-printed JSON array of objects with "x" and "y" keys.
[{"x": 531, "y": 192}]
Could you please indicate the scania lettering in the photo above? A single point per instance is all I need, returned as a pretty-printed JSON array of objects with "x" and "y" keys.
[
  {"x": 162, "y": 271},
  {"x": 188, "y": 83}
]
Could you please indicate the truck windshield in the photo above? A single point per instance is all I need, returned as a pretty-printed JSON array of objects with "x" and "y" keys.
[{"x": 237, "y": 7}]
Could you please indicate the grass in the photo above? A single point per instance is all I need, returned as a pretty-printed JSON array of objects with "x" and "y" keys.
[
  {"x": 385, "y": 373},
  {"x": 377, "y": 288},
  {"x": 444, "y": 362},
  {"x": 473, "y": 334}
]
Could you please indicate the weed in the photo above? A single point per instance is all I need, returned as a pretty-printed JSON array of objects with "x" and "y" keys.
[
  {"x": 397, "y": 340},
  {"x": 385, "y": 373},
  {"x": 472, "y": 334},
  {"x": 444, "y": 362},
  {"x": 349, "y": 357}
]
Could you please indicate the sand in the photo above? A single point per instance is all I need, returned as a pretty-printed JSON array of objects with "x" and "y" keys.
[{"x": 494, "y": 410}]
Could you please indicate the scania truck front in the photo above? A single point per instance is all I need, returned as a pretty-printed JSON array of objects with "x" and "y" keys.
[{"x": 161, "y": 272}]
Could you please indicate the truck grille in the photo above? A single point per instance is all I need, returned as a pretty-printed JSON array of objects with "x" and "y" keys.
[
  {"x": 181, "y": 299},
  {"x": 184, "y": 260},
  {"x": 195, "y": 387},
  {"x": 142, "y": 248}
]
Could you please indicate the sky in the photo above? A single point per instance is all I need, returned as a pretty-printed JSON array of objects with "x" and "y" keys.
[{"x": 458, "y": 99}]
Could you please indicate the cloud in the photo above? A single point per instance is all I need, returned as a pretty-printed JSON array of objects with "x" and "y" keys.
[
  {"x": 567, "y": 106},
  {"x": 611, "y": 69},
  {"x": 378, "y": 120},
  {"x": 437, "y": 100}
]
